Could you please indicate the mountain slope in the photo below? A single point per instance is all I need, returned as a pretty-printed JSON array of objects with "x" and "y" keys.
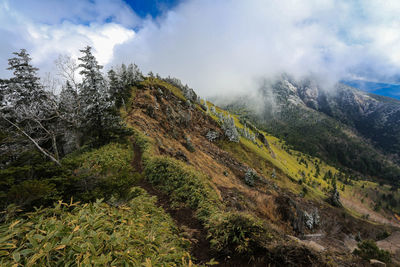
[
  {"x": 344, "y": 126},
  {"x": 237, "y": 196},
  {"x": 258, "y": 178}
]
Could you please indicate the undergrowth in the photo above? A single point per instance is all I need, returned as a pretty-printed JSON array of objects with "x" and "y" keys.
[{"x": 136, "y": 233}]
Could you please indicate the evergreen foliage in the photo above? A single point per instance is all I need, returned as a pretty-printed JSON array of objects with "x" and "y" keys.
[{"x": 100, "y": 122}]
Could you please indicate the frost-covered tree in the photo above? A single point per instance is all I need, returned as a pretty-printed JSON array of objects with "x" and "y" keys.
[
  {"x": 29, "y": 114},
  {"x": 134, "y": 74},
  {"x": 228, "y": 125},
  {"x": 116, "y": 88},
  {"x": 70, "y": 117},
  {"x": 99, "y": 119}
]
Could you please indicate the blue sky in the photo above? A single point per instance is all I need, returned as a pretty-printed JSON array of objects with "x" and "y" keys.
[
  {"x": 223, "y": 46},
  {"x": 153, "y": 8}
]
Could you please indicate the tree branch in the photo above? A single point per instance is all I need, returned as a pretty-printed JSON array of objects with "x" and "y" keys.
[{"x": 34, "y": 142}]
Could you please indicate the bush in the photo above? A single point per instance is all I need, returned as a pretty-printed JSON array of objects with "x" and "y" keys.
[
  {"x": 183, "y": 184},
  {"x": 250, "y": 177},
  {"x": 135, "y": 234},
  {"x": 368, "y": 249},
  {"x": 34, "y": 182},
  {"x": 236, "y": 233},
  {"x": 103, "y": 172},
  {"x": 32, "y": 192}
]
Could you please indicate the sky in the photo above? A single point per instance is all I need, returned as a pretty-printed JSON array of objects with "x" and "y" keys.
[{"x": 217, "y": 47}]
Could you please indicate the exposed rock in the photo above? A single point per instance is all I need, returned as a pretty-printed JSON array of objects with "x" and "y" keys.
[
  {"x": 374, "y": 262},
  {"x": 313, "y": 245},
  {"x": 308, "y": 243},
  {"x": 299, "y": 218}
]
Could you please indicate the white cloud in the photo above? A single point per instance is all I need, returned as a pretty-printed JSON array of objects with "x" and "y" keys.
[
  {"x": 223, "y": 46},
  {"x": 216, "y": 46},
  {"x": 46, "y": 41}
]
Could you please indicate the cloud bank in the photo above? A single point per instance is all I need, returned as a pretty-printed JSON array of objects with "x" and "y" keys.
[
  {"x": 224, "y": 46},
  {"x": 49, "y": 28},
  {"x": 219, "y": 47}
]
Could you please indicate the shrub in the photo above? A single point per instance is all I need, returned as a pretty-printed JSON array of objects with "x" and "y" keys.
[
  {"x": 233, "y": 232},
  {"x": 30, "y": 181},
  {"x": 183, "y": 184},
  {"x": 32, "y": 192},
  {"x": 103, "y": 172},
  {"x": 250, "y": 177},
  {"x": 368, "y": 249},
  {"x": 134, "y": 234}
]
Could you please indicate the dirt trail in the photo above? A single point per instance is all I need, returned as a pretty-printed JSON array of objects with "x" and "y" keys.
[
  {"x": 184, "y": 217},
  {"x": 137, "y": 158}
]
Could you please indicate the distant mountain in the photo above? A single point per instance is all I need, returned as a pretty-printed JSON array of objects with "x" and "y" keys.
[
  {"x": 384, "y": 89},
  {"x": 356, "y": 130}
]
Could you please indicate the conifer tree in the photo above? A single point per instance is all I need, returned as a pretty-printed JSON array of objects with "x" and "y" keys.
[
  {"x": 28, "y": 113},
  {"x": 116, "y": 88},
  {"x": 70, "y": 117},
  {"x": 99, "y": 119}
]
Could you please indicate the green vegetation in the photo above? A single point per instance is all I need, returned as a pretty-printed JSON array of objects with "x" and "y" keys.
[
  {"x": 229, "y": 232},
  {"x": 135, "y": 233},
  {"x": 368, "y": 249},
  {"x": 184, "y": 185},
  {"x": 86, "y": 176},
  {"x": 103, "y": 172},
  {"x": 234, "y": 232}
]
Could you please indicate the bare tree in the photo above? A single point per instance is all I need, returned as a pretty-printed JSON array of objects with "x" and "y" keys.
[{"x": 67, "y": 69}]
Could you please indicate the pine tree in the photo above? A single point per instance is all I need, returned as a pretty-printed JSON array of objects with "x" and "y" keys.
[
  {"x": 137, "y": 74},
  {"x": 29, "y": 113},
  {"x": 100, "y": 121},
  {"x": 116, "y": 89},
  {"x": 70, "y": 117}
]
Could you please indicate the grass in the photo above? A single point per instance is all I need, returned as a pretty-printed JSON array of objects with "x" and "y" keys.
[
  {"x": 136, "y": 233},
  {"x": 157, "y": 82}
]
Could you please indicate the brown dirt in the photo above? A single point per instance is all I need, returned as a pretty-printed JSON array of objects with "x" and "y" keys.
[{"x": 137, "y": 158}]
